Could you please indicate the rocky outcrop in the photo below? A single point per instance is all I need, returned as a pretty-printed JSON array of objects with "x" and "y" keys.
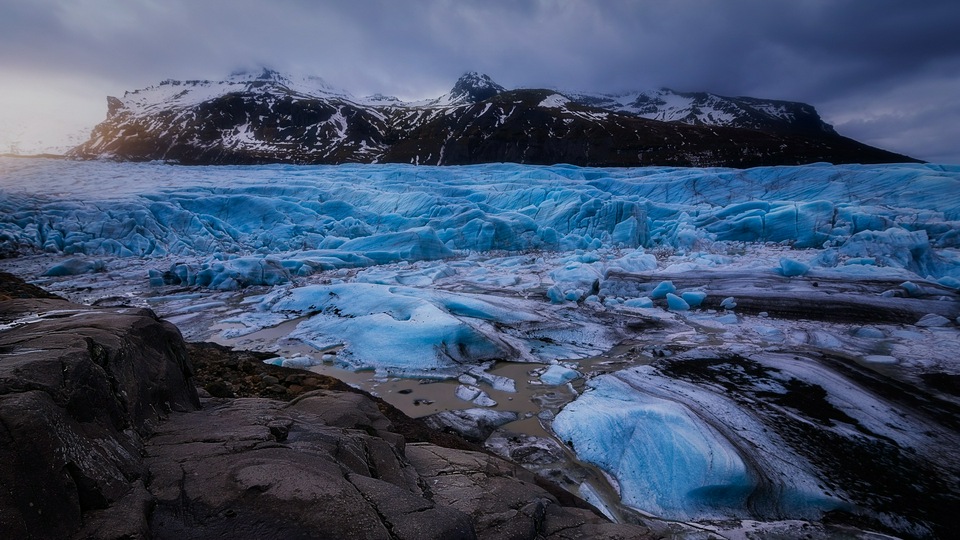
[
  {"x": 80, "y": 390},
  {"x": 105, "y": 436}
]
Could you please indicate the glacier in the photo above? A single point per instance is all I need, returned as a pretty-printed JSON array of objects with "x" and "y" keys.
[{"x": 660, "y": 324}]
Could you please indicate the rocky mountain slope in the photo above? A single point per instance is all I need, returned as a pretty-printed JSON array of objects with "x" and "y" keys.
[{"x": 268, "y": 117}]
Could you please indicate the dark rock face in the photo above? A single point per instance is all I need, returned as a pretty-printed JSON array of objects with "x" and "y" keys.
[
  {"x": 79, "y": 391},
  {"x": 104, "y": 436},
  {"x": 270, "y": 119}
]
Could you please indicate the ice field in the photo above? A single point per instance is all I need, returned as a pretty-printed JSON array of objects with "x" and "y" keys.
[{"x": 689, "y": 334}]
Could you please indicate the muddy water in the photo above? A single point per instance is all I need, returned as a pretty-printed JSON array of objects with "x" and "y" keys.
[{"x": 535, "y": 402}]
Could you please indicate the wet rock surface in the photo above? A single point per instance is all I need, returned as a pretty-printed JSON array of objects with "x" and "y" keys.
[{"x": 104, "y": 436}]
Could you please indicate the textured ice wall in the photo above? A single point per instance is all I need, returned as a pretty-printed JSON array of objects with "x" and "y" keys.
[{"x": 314, "y": 218}]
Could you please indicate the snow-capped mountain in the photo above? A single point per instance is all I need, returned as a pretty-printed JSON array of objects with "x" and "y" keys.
[
  {"x": 269, "y": 117},
  {"x": 704, "y": 109}
]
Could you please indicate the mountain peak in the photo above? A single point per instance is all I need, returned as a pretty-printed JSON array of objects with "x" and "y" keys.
[
  {"x": 259, "y": 74},
  {"x": 474, "y": 87}
]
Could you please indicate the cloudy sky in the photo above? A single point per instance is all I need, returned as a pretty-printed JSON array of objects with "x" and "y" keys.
[{"x": 885, "y": 72}]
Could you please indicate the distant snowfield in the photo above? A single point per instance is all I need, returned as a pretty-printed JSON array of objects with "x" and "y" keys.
[{"x": 685, "y": 312}]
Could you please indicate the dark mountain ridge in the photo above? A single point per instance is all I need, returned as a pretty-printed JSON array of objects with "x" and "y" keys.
[{"x": 267, "y": 117}]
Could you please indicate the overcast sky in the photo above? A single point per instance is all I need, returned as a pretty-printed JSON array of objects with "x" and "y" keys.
[{"x": 881, "y": 71}]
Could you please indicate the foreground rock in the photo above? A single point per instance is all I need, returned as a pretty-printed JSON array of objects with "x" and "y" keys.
[
  {"x": 80, "y": 390},
  {"x": 104, "y": 436}
]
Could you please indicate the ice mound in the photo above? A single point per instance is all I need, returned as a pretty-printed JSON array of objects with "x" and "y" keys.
[
  {"x": 391, "y": 327},
  {"x": 420, "y": 332},
  {"x": 666, "y": 460}
]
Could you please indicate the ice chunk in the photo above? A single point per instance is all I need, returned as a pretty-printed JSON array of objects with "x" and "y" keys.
[
  {"x": 728, "y": 303},
  {"x": 729, "y": 318},
  {"x": 642, "y": 302},
  {"x": 676, "y": 303},
  {"x": 557, "y": 374},
  {"x": 661, "y": 290},
  {"x": 473, "y": 424},
  {"x": 912, "y": 289},
  {"x": 790, "y": 267},
  {"x": 498, "y": 382},
  {"x": 298, "y": 362},
  {"x": 770, "y": 333},
  {"x": 693, "y": 298},
  {"x": 473, "y": 394},
  {"x": 895, "y": 247}
]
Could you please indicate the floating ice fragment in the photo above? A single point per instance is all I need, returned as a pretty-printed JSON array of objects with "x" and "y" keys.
[
  {"x": 728, "y": 303},
  {"x": 467, "y": 392},
  {"x": 557, "y": 374},
  {"x": 225, "y": 275},
  {"x": 473, "y": 394},
  {"x": 635, "y": 262},
  {"x": 498, "y": 382}
]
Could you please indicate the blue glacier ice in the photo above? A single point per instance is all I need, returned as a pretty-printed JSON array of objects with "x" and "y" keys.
[
  {"x": 693, "y": 298},
  {"x": 663, "y": 289},
  {"x": 361, "y": 215},
  {"x": 666, "y": 460}
]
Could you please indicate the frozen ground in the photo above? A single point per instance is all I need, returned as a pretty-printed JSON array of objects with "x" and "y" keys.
[{"x": 711, "y": 346}]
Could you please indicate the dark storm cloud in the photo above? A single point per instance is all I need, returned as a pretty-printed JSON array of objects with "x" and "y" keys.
[{"x": 840, "y": 55}]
